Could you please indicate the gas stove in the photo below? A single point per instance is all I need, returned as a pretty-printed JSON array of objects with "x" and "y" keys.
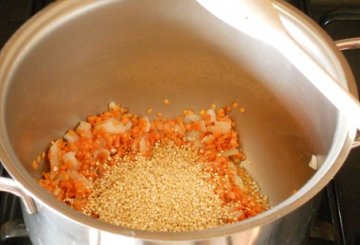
[{"x": 338, "y": 218}]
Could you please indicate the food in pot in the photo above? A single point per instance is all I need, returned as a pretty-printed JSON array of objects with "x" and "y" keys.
[{"x": 177, "y": 174}]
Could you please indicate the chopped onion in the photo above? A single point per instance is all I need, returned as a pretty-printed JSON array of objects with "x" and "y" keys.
[
  {"x": 208, "y": 138},
  {"x": 84, "y": 128},
  {"x": 237, "y": 214},
  {"x": 313, "y": 162},
  {"x": 147, "y": 124},
  {"x": 230, "y": 152},
  {"x": 113, "y": 126},
  {"x": 71, "y": 136},
  {"x": 143, "y": 146},
  {"x": 127, "y": 126},
  {"x": 212, "y": 129},
  {"x": 113, "y": 105},
  {"x": 77, "y": 176},
  {"x": 57, "y": 191},
  {"x": 202, "y": 126},
  {"x": 232, "y": 168},
  {"x": 70, "y": 157},
  {"x": 234, "y": 211},
  {"x": 212, "y": 115},
  {"x": 54, "y": 156},
  {"x": 179, "y": 129},
  {"x": 193, "y": 136},
  {"x": 191, "y": 118},
  {"x": 223, "y": 126},
  {"x": 238, "y": 181}
]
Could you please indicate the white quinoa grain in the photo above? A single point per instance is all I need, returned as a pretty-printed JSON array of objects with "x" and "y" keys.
[{"x": 167, "y": 192}]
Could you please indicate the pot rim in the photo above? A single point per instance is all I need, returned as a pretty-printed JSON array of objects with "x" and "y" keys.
[{"x": 44, "y": 20}]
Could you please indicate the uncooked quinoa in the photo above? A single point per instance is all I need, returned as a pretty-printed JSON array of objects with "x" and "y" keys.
[
  {"x": 165, "y": 174},
  {"x": 167, "y": 192}
]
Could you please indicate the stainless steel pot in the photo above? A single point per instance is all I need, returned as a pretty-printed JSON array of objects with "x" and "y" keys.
[{"x": 73, "y": 58}]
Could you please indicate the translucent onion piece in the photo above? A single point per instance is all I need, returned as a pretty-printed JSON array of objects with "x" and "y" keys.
[
  {"x": 70, "y": 157},
  {"x": 113, "y": 126},
  {"x": 193, "y": 136},
  {"x": 127, "y": 126},
  {"x": 71, "y": 136},
  {"x": 179, "y": 129},
  {"x": 207, "y": 139},
  {"x": 54, "y": 156},
  {"x": 77, "y": 176},
  {"x": 224, "y": 127},
  {"x": 113, "y": 106},
  {"x": 202, "y": 126},
  {"x": 191, "y": 118},
  {"x": 238, "y": 181},
  {"x": 84, "y": 129},
  {"x": 147, "y": 124},
  {"x": 143, "y": 145},
  {"x": 313, "y": 163},
  {"x": 230, "y": 152},
  {"x": 212, "y": 115}
]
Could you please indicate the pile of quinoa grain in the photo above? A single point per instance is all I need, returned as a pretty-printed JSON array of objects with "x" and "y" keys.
[{"x": 167, "y": 192}]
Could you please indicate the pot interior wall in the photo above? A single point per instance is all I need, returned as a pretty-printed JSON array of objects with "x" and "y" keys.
[{"x": 138, "y": 53}]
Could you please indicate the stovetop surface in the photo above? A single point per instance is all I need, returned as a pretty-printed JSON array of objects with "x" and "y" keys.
[{"x": 338, "y": 220}]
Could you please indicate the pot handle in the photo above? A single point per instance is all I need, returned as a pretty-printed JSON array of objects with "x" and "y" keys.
[
  {"x": 11, "y": 186},
  {"x": 349, "y": 43},
  {"x": 346, "y": 44}
]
